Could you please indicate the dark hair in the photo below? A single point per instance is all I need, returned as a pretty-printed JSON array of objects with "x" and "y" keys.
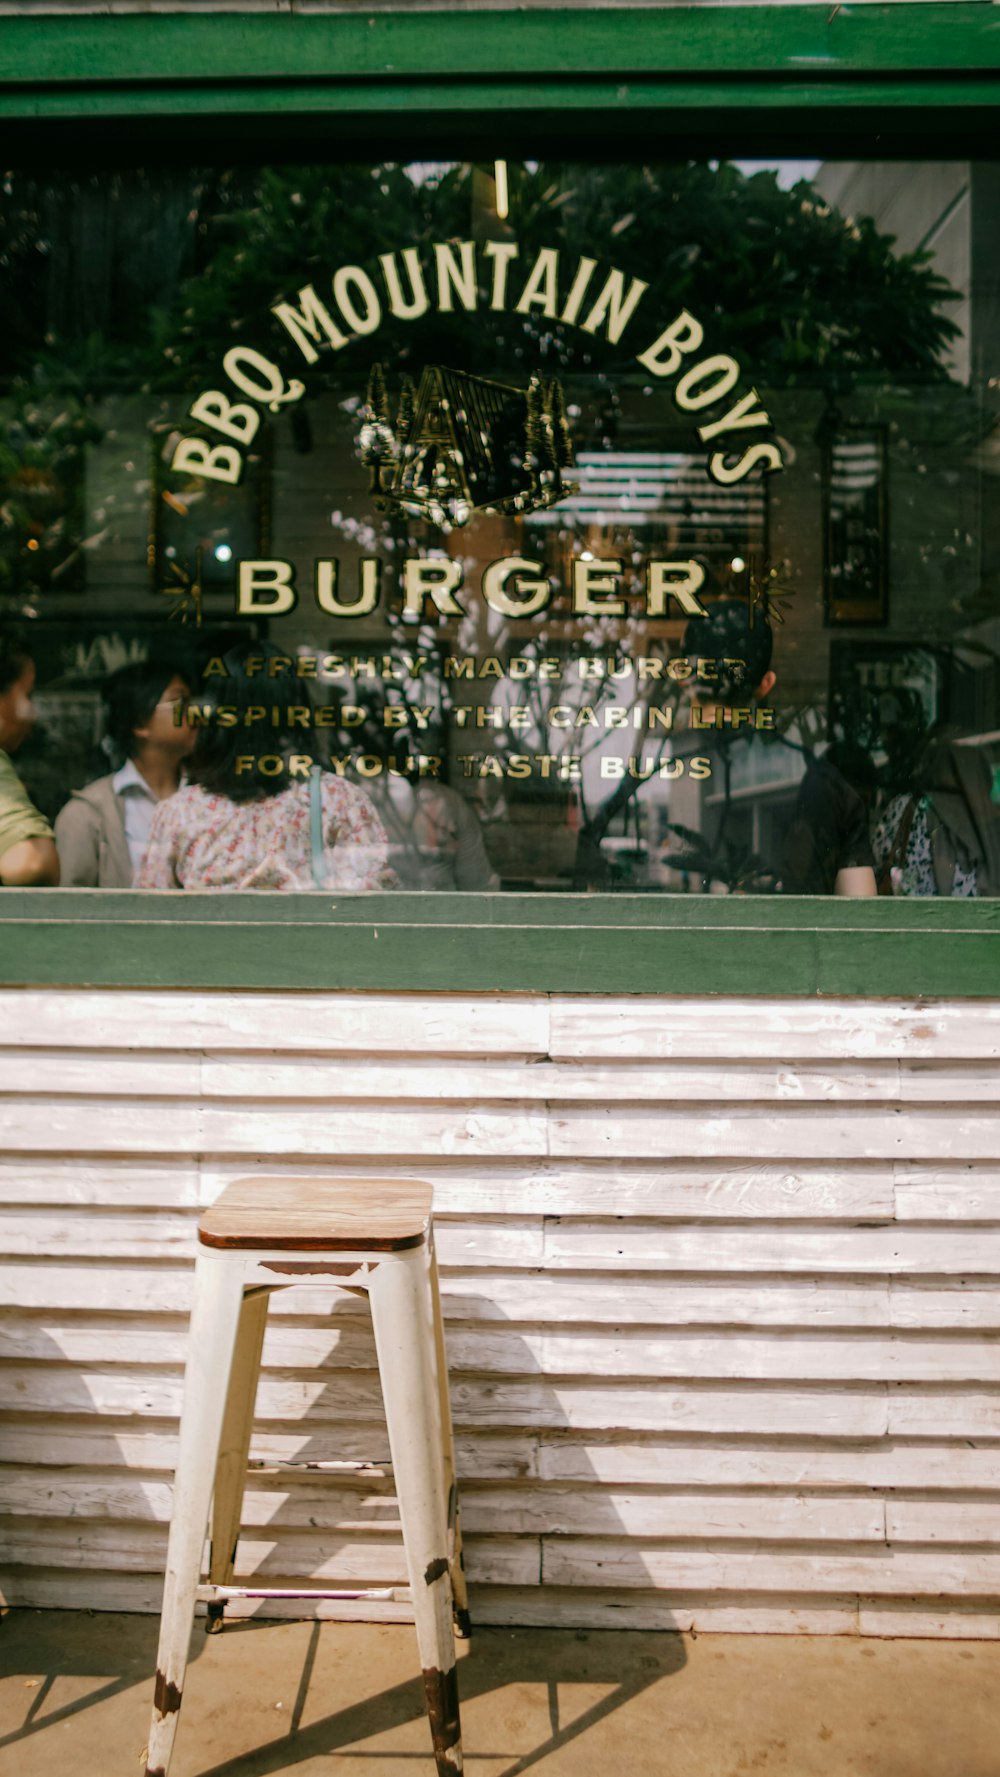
[
  {"x": 726, "y": 632},
  {"x": 132, "y": 693},
  {"x": 14, "y": 657},
  {"x": 273, "y": 687}
]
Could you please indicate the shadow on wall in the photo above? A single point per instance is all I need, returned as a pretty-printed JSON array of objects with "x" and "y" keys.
[{"x": 319, "y": 1374}]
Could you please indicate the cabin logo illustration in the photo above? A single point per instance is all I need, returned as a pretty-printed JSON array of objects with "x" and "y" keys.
[{"x": 461, "y": 444}]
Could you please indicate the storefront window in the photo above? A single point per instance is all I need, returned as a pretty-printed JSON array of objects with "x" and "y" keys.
[{"x": 518, "y": 526}]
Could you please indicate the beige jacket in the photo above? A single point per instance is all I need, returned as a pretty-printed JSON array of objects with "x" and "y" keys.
[{"x": 90, "y": 839}]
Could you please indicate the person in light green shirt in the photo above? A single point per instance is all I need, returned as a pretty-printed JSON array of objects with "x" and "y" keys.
[{"x": 28, "y": 857}]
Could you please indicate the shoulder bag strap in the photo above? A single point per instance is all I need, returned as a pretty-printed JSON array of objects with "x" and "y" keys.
[
  {"x": 316, "y": 847},
  {"x": 897, "y": 853}
]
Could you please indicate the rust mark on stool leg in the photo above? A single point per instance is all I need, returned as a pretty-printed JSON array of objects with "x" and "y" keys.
[
  {"x": 435, "y": 1570},
  {"x": 441, "y": 1691},
  {"x": 166, "y": 1696}
]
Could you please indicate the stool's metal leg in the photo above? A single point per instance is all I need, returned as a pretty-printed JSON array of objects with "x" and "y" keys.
[
  {"x": 214, "y": 1319},
  {"x": 234, "y": 1449},
  {"x": 460, "y": 1591},
  {"x": 403, "y": 1317}
]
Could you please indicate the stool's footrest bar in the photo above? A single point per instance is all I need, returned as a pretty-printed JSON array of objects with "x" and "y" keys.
[{"x": 370, "y": 1594}]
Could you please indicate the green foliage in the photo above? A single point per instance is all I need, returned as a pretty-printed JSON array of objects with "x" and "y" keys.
[
  {"x": 776, "y": 277},
  {"x": 740, "y": 869},
  {"x": 43, "y": 438}
]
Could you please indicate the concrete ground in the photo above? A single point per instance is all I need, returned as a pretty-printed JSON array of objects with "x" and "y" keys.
[{"x": 344, "y": 1700}]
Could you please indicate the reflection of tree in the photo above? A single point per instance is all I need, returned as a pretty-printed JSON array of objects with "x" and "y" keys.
[
  {"x": 724, "y": 859},
  {"x": 778, "y": 277},
  {"x": 42, "y": 449},
  {"x": 782, "y": 280}
]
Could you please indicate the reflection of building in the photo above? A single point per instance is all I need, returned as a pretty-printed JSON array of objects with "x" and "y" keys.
[{"x": 928, "y": 209}]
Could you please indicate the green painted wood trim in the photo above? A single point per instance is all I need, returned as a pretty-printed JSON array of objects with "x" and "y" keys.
[
  {"x": 964, "y": 34},
  {"x": 465, "y": 943},
  {"x": 519, "y": 103},
  {"x": 519, "y": 59}
]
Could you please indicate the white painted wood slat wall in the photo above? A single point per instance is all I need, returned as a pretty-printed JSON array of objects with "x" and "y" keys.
[{"x": 721, "y": 1287}]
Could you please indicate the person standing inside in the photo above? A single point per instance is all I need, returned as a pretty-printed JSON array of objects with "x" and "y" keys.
[
  {"x": 103, "y": 831},
  {"x": 28, "y": 857}
]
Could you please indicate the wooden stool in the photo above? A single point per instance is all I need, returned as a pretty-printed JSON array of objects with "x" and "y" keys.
[{"x": 381, "y": 1232}]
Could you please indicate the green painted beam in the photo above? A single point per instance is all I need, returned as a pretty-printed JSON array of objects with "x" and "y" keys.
[
  {"x": 515, "y": 943},
  {"x": 519, "y": 103},
  {"x": 676, "y": 40},
  {"x": 529, "y": 61}
]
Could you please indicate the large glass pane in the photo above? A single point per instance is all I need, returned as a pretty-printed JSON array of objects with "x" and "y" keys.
[{"x": 510, "y": 525}]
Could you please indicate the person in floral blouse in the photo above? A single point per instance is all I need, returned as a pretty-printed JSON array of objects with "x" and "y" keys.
[{"x": 235, "y": 826}]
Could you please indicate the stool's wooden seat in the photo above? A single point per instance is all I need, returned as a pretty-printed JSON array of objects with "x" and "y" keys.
[{"x": 319, "y": 1215}]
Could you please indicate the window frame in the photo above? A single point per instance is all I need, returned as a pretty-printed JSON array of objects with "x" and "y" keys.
[{"x": 845, "y": 75}]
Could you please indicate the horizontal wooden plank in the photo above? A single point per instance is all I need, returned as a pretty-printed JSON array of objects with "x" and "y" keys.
[
  {"x": 35, "y": 1124},
  {"x": 551, "y": 1296},
  {"x": 721, "y": 1462},
  {"x": 625, "y": 1082},
  {"x": 822, "y": 1412},
  {"x": 153, "y": 1288},
  {"x": 323, "y": 1399},
  {"x": 524, "y": 1511},
  {"x": 65, "y": 1181},
  {"x": 549, "y": 1607},
  {"x": 224, "y": 1075},
  {"x": 913, "y": 1572},
  {"x": 63, "y": 1589},
  {"x": 619, "y": 1459},
  {"x": 315, "y": 1557},
  {"x": 499, "y": 1350},
  {"x": 961, "y": 1303},
  {"x": 648, "y": 1246},
  {"x": 151, "y": 1446},
  {"x": 954, "y": 1621},
  {"x": 97, "y": 1073},
  {"x": 944, "y": 1520},
  {"x": 943, "y": 1413},
  {"x": 958, "y": 1192},
  {"x": 553, "y": 1607},
  {"x": 118, "y": 1235},
  {"x": 319, "y": 1023},
  {"x": 602, "y": 1511},
  {"x": 954, "y": 1080},
  {"x": 772, "y": 1132},
  {"x": 42, "y": 1588},
  {"x": 26, "y": 1493},
  {"x": 608, "y": 1027},
  {"x": 169, "y": 1074},
  {"x": 501, "y": 1186}
]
